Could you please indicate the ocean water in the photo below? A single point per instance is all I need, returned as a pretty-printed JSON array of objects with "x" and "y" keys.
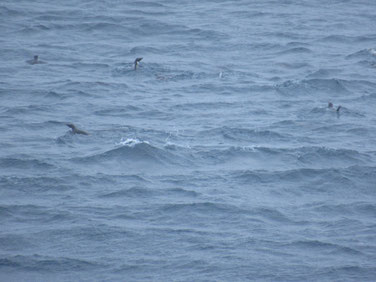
[{"x": 218, "y": 159}]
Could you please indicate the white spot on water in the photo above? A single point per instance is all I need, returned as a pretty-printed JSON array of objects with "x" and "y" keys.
[
  {"x": 130, "y": 142},
  {"x": 372, "y": 51}
]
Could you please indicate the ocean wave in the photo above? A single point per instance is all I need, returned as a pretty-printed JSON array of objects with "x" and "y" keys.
[
  {"x": 365, "y": 209},
  {"x": 31, "y": 109},
  {"x": 244, "y": 134},
  {"x": 297, "y": 44},
  {"x": 35, "y": 213},
  {"x": 76, "y": 86},
  {"x": 157, "y": 72},
  {"x": 368, "y": 97},
  {"x": 84, "y": 90},
  {"x": 103, "y": 26},
  {"x": 204, "y": 208},
  {"x": 202, "y": 106},
  {"x": 293, "y": 65},
  {"x": 324, "y": 247},
  {"x": 346, "y": 272},
  {"x": 324, "y": 111},
  {"x": 365, "y": 57},
  {"x": 7, "y": 12},
  {"x": 283, "y": 35},
  {"x": 34, "y": 184},
  {"x": 34, "y": 29},
  {"x": 312, "y": 180},
  {"x": 89, "y": 66},
  {"x": 49, "y": 95},
  {"x": 147, "y": 4},
  {"x": 126, "y": 69},
  {"x": 325, "y": 73},
  {"x": 155, "y": 114},
  {"x": 272, "y": 214},
  {"x": 14, "y": 242},
  {"x": 119, "y": 111},
  {"x": 37, "y": 263},
  {"x": 331, "y": 156},
  {"x": 303, "y": 175},
  {"x": 52, "y": 26},
  {"x": 53, "y": 95},
  {"x": 153, "y": 28},
  {"x": 359, "y": 131},
  {"x": 223, "y": 155},
  {"x": 369, "y": 53},
  {"x": 328, "y": 87},
  {"x": 112, "y": 179},
  {"x": 363, "y": 175},
  {"x": 183, "y": 192},
  {"x": 302, "y": 156},
  {"x": 137, "y": 192},
  {"x": 295, "y": 50},
  {"x": 206, "y": 34},
  {"x": 24, "y": 163},
  {"x": 181, "y": 75},
  {"x": 134, "y": 151},
  {"x": 361, "y": 209},
  {"x": 336, "y": 38},
  {"x": 135, "y": 51},
  {"x": 5, "y": 212},
  {"x": 249, "y": 14}
]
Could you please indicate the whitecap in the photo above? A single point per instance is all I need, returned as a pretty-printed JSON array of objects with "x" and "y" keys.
[
  {"x": 130, "y": 142},
  {"x": 372, "y": 51}
]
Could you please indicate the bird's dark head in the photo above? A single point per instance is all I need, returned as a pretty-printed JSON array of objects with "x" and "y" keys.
[{"x": 71, "y": 125}]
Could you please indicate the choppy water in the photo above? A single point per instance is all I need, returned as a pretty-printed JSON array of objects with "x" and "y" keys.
[{"x": 217, "y": 160}]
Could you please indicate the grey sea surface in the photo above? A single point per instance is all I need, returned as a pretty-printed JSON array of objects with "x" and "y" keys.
[{"x": 218, "y": 159}]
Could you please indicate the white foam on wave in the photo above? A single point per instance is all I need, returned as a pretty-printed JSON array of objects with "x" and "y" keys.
[
  {"x": 372, "y": 51},
  {"x": 130, "y": 142},
  {"x": 171, "y": 145},
  {"x": 175, "y": 133}
]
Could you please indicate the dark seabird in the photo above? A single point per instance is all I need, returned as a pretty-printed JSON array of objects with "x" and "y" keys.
[
  {"x": 35, "y": 61},
  {"x": 75, "y": 130},
  {"x": 136, "y": 62}
]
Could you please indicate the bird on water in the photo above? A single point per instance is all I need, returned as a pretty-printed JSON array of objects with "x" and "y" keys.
[
  {"x": 75, "y": 130},
  {"x": 136, "y": 63},
  {"x": 35, "y": 61},
  {"x": 331, "y": 106}
]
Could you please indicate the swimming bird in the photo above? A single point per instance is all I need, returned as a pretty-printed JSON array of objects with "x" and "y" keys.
[
  {"x": 136, "y": 62},
  {"x": 331, "y": 107},
  {"x": 35, "y": 61},
  {"x": 75, "y": 130}
]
